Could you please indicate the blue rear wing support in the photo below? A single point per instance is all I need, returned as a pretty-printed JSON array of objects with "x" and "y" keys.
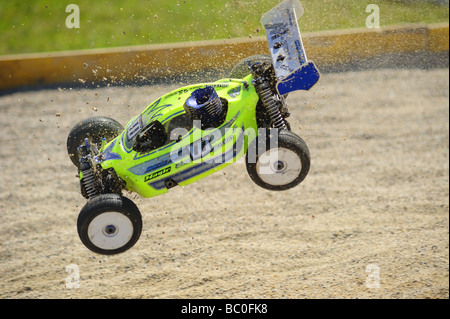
[
  {"x": 292, "y": 68},
  {"x": 303, "y": 78}
]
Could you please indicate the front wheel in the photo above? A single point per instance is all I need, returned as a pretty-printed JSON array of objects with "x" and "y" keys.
[
  {"x": 280, "y": 166},
  {"x": 94, "y": 128},
  {"x": 109, "y": 224}
]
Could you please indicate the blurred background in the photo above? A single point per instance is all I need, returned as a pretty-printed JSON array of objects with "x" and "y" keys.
[{"x": 40, "y": 26}]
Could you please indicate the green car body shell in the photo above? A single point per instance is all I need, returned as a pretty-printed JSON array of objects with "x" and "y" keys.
[{"x": 195, "y": 153}]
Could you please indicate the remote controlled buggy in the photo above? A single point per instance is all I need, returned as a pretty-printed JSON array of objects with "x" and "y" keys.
[{"x": 193, "y": 132}]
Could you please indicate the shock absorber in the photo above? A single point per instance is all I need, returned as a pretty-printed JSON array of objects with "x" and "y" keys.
[
  {"x": 89, "y": 182},
  {"x": 89, "y": 186},
  {"x": 262, "y": 74},
  {"x": 271, "y": 105}
]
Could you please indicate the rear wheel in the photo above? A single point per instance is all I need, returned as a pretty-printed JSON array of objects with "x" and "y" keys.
[
  {"x": 109, "y": 224},
  {"x": 94, "y": 128},
  {"x": 280, "y": 166},
  {"x": 241, "y": 70}
]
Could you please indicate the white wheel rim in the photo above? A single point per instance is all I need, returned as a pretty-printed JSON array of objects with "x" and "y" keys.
[
  {"x": 278, "y": 166},
  {"x": 110, "y": 230}
]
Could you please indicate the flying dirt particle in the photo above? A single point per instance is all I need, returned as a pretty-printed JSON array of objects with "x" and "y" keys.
[
  {"x": 85, "y": 65},
  {"x": 94, "y": 109},
  {"x": 81, "y": 81},
  {"x": 58, "y": 114}
]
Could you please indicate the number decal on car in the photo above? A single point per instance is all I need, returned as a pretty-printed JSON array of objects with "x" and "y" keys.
[{"x": 134, "y": 128}]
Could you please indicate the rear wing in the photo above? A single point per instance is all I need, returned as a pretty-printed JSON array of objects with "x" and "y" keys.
[{"x": 292, "y": 68}]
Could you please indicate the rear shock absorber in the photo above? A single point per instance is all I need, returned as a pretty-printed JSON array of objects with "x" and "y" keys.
[{"x": 271, "y": 105}]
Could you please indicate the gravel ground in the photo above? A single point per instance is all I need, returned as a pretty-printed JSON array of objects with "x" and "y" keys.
[{"x": 374, "y": 205}]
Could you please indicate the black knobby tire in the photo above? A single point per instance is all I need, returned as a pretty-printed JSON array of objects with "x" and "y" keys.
[
  {"x": 109, "y": 224},
  {"x": 288, "y": 166},
  {"x": 241, "y": 70},
  {"x": 94, "y": 128}
]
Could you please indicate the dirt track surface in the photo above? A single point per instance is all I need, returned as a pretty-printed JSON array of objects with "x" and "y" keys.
[{"x": 376, "y": 199}]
